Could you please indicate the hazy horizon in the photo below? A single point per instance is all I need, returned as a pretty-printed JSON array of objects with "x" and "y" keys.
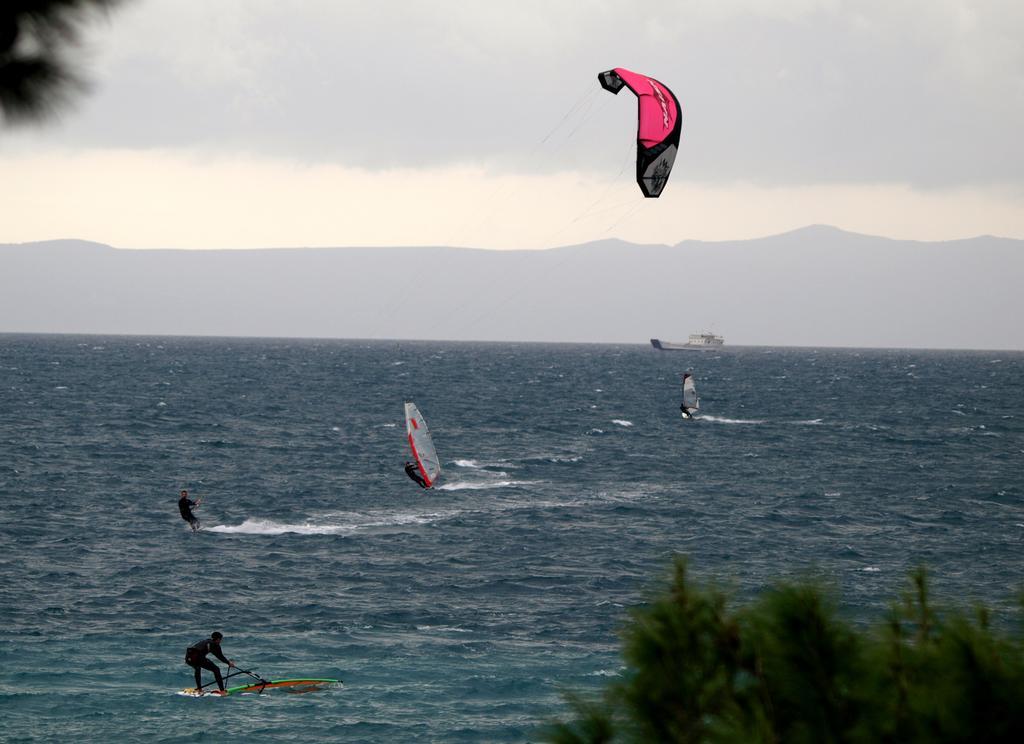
[
  {"x": 799, "y": 229},
  {"x": 682, "y": 355},
  {"x": 814, "y": 287}
]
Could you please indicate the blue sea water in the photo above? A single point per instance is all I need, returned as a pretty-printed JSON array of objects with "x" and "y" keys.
[{"x": 462, "y": 613}]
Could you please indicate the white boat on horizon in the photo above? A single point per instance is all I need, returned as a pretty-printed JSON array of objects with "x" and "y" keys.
[{"x": 697, "y": 342}]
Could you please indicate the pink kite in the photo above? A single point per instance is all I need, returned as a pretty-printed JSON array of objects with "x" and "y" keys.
[{"x": 660, "y": 123}]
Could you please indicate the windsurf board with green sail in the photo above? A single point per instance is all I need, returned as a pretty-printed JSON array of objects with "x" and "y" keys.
[{"x": 294, "y": 686}]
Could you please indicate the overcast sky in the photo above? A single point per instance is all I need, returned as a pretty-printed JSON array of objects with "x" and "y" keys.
[{"x": 255, "y": 123}]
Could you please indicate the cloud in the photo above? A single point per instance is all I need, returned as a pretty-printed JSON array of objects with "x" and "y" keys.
[
  {"x": 256, "y": 123},
  {"x": 779, "y": 94}
]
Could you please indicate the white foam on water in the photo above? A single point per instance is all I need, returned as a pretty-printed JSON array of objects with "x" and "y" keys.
[
  {"x": 723, "y": 420},
  {"x": 481, "y": 485},
  {"x": 350, "y": 523},
  {"x": 487, "y": 467},
  {"x": 443, "y": 628},
  {"x": 622, "y": 422},
  {"x": 269, "y": 527},
  {"x": 871, "y": 569},
  {"x": 808, "y": 422}
]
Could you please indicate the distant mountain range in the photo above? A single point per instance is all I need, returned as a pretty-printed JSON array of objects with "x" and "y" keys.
[{"x": 817, "y": 286}]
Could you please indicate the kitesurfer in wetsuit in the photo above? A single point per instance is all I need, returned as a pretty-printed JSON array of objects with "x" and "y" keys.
[
  {"x": 413, "y": 472},
  {"x": 195, "y": 657},
  {"x": 185, "y": 505}
]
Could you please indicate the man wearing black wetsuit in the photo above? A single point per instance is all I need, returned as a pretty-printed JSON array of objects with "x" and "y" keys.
[
  {"x": 195, "y": 657},
  {"x": 185, "y": 505},
  {"x": 413, "y": 472}
]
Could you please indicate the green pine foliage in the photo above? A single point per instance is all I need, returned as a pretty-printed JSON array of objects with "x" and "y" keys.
[
  {"x": 789, "y": 669},
  {"x": 38, "y": 68}
]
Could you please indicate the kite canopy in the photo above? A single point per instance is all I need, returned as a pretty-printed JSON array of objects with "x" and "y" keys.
[{"x": 660, "y": 123}]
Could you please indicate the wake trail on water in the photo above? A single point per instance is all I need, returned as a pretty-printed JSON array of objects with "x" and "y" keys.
[
  {"x": 332, "y": 525},
  {"x": 269, "y": 527},
  {"x": 476, "y": 465},
  {"x": 349, "y": 523},
  {"x": 485, "y": 469},
  {"x": 481, "y": 485},
  {"x": 723, "y": 420}
]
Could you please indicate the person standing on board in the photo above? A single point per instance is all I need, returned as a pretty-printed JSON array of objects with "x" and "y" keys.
[
  {"x": 185, "y": 506},
  {"x": 413, "y": 472},
  {"x": 195, "y": 657}
]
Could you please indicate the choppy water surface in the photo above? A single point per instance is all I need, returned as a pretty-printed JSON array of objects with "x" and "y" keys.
[{"x": 458, "y": 614}]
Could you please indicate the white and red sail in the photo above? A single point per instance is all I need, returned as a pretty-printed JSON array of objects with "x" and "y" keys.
[{"x": 422, "y": 445}]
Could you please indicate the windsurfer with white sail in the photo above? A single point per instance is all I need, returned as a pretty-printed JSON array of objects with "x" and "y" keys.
[
  {"x": 690, "y": 402},
  {"x": 426, "y": 468}
]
